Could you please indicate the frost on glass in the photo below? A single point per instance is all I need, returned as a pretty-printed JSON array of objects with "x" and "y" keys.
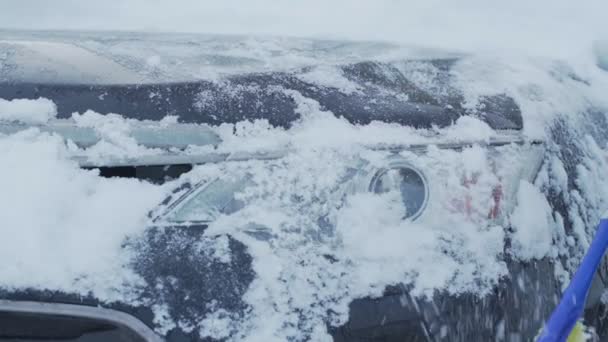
[{"x": 210, "y": 200}]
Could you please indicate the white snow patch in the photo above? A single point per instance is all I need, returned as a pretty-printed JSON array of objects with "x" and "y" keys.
[
  {"x": 27, "y": 111},
  {"x": 322, "y": 129},
  {"x": 115, "y": 143},
  {"x": 533, "y": 224},
  {"x": 70, "y": 220},
  {"x": 542, "y": 88},
  {"x": 469, "y": 128},
  {"x": 169, "y": 120},
  {"x": 218, "y": 248},
  {"x": 217, "y": 325},
  {"x": 330, "y": 77},
  {"x": 162, "y": 319}
]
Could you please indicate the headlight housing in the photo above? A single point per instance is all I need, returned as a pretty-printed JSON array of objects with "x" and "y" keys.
[{"x": 408, "y": 181}]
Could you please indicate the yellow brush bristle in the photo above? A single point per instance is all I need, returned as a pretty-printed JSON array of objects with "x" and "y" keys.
[{"x": 578, "y": 333}]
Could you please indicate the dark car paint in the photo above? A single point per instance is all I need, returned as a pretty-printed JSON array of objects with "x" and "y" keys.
[{"x": 385, "y": 95}]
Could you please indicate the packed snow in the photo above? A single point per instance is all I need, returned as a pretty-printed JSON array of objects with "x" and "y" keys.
[
  {"x": 27, "y": 111},
  {"x": 115, "y": 139},
  {"x": 330, "y": 77},
  {"x": 56, "y": 228},
  {"x": 532, "y": 222}
]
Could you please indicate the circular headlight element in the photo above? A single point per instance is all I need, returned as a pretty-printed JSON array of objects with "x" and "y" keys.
[{"x": 409, "y": 182}]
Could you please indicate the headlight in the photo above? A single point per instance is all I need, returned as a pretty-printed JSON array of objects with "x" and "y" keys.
[
  {"x": 472, "y": 183},
  {"x": 399, "y": 176},
  {"x": 203, "y": 202}
]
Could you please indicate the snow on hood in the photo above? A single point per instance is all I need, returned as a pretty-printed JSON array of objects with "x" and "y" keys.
[
  {"x": 47, "y": 201},
  {"x": 28, "y": 111},
  {"x": 56, "y": 227}
]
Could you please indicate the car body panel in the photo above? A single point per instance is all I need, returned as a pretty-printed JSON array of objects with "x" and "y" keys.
[{"x": 137, "y": 77}]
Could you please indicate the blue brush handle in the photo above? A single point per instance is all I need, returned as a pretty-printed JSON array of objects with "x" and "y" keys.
[{"x": 571, "y": 307}]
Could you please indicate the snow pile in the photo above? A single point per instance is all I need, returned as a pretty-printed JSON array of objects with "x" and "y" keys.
[
  {"x": 321, "y": 129},
  {"x": 532, "y": 222},
  {"x": 27, "y": 111},
  {"x": 468, "y": 128},
  {"x": 330, "y": 77},
  {"x": 67, "y": 219},
  {"x": 115, "y": 142}
]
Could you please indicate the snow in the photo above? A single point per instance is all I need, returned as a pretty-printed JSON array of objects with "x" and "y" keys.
[
  {"x": 27, "y": 111},
  {"x": 162, "y": 319},
  {"x": 296, "y": 285},
  {"x": 330, "y": 77},
  {"x": 601, "y": 53},
  {"x": 216, "y": 325},
  {"x": 548, "y": 56},
  {"x": 471, "y": 129},
  {"x": 374, "y": 247},
  {"x": 533, "y": 225},
  {"x": 115, "y": 143},
  {"x": 56, "y": 220},
  {"x": 321, "y": 129}
]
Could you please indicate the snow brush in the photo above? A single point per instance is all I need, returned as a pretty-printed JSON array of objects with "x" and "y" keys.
[{"x": 564, "y": 325}]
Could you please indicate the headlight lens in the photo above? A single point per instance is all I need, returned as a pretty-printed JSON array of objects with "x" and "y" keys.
[
  {"x": 408, "y": 181},
  {"x": 206, "y": 201}
]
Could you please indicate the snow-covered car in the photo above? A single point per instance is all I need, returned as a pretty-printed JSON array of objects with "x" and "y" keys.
[{"x": 200, "y": 188}]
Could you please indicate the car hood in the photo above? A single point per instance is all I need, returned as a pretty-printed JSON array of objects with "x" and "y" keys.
[{"x": 219, "y": 79}]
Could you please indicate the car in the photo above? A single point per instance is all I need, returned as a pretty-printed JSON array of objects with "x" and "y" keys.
[{"x": 314, "y": 190}]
